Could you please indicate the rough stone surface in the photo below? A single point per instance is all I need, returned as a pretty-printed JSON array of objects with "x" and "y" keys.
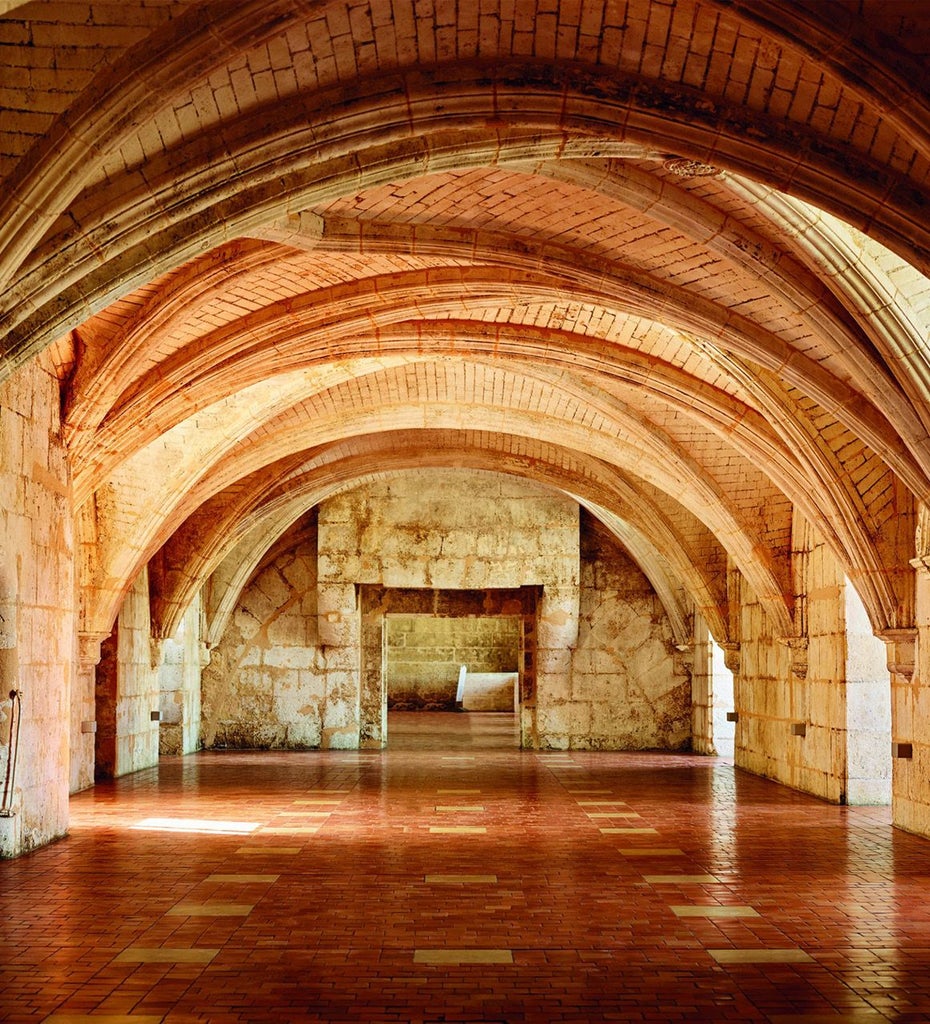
[
  {"x": 814, "y": 685},
  {"x": 179, "y": 675},
  {"x": 37, "y": 600},
  {"x": 605, "y": 671},
  {"x": 128, "y": 691},
  {"x": 266, "y": 684},
  {"x": 625, "y": 676}
]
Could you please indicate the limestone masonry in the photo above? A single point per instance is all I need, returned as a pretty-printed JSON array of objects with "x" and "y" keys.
[{"x": 581, "y": 344}]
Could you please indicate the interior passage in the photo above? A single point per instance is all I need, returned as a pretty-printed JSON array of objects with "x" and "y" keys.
[{"x": 454, "y": 877}]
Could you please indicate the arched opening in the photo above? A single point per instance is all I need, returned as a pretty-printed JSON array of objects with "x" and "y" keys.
[
  {"x": 413, "y": 641},
  {"x": 723, "y": 706},
  {"x": 868, "y": 709}
]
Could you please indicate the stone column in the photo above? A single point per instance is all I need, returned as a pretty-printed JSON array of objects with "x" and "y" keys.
[
  {"x": 910, "y": 714},
  {"x": 83, "y": 711},
  {"x": 9, "y": 683},
  {"x": 372, "y": 695},
  {"x": 557, "y": 718},
  {"x": 339, "y": 621},
  {"x": 702, "y": 695}
]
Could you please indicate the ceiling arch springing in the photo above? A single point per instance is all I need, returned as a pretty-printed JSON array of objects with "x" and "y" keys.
[{"x": 256, "y": 246}]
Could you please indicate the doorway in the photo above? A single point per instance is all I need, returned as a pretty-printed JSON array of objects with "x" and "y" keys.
[
  {"x": 451, "y": 663},
  {"x": 415, "y": 643},
  {"x": 722, "y": 703},
  {"x": 868, "y": 709}
]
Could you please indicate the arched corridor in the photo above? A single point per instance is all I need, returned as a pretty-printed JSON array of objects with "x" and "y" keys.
[{"x": 584, "y": 341}]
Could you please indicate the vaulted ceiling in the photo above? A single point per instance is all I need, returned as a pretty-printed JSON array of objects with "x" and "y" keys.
[{"x": 669, "y": 258}]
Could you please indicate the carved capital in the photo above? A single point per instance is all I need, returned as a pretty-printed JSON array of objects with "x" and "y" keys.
[
  {"x": 89, "y": 650},
  {"x": 797, "y": 646},
  {"x": 302, "y": 230},
  {"x": 684, "y": 658},
  {"x": 901, "y": 651},
  {"x": 731, "y": 651},
  {"x": 686, "y": 168}
]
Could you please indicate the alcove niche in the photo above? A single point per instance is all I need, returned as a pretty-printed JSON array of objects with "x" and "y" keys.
[{"x": 451, "y": 663}]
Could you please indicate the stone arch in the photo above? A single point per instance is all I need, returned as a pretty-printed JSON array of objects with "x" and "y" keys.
[
  {"x": 570, "y": 98},
  {"x": 271, "y": 513}
]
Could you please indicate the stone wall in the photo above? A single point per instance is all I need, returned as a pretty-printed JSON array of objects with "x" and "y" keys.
[
  {"x": 182, "y": 659},
  {"x": 911, "y": 713},
  {"x": 764, "y": 690},
  {"x": 629, "y": 689},
  {"x": 450, "y": 530},
  {"x": 128, "y": 690},
  {"x": 265, "y": 685},
  {"x": 794, "y": 723},
  {"x": 818, "y": 758},
  {"x": 702, "y": 696},
  {"x": 37, "y": 604},
  {"x": 300, "y": 663}
]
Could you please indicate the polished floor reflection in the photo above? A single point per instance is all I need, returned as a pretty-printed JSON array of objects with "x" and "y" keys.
[{"x": 454, "y": 878}]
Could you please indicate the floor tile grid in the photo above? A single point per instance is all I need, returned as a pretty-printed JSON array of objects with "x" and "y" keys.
[{"x": 850, "y": 995}]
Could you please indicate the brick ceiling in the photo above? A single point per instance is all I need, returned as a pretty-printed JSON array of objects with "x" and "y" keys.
[{"x": 666, "y": 257}]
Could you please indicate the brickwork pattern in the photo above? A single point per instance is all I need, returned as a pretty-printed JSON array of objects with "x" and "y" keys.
[{"x": 367, "y": 909}]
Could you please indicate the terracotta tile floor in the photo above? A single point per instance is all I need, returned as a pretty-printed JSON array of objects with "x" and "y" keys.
[{"x": 361, "y": 913}]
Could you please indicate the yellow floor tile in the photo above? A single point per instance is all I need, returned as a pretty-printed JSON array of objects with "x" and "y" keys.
[
  {"x": 843, "y": 1017},
  {"x": 715, "y": 912},
  {"x": 214, "y": 909},
  {"x": 652, "y": 851},
  {"x": 460, "y": 879},
  {"x": 761, "y": 956},
  {"x": 463, "y": 956},
  {"x": 245, "y": 879},
  {"x": 679, "y": 879},
  {"x": 474, "y": 830},
  {"x": 633, "y": 831},
  {"x": 283, "y": 851},
  {"x": 290, "y": 830}
]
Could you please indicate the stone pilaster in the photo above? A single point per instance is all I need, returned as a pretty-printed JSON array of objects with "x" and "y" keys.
[{"x": 83, "y": 710}]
